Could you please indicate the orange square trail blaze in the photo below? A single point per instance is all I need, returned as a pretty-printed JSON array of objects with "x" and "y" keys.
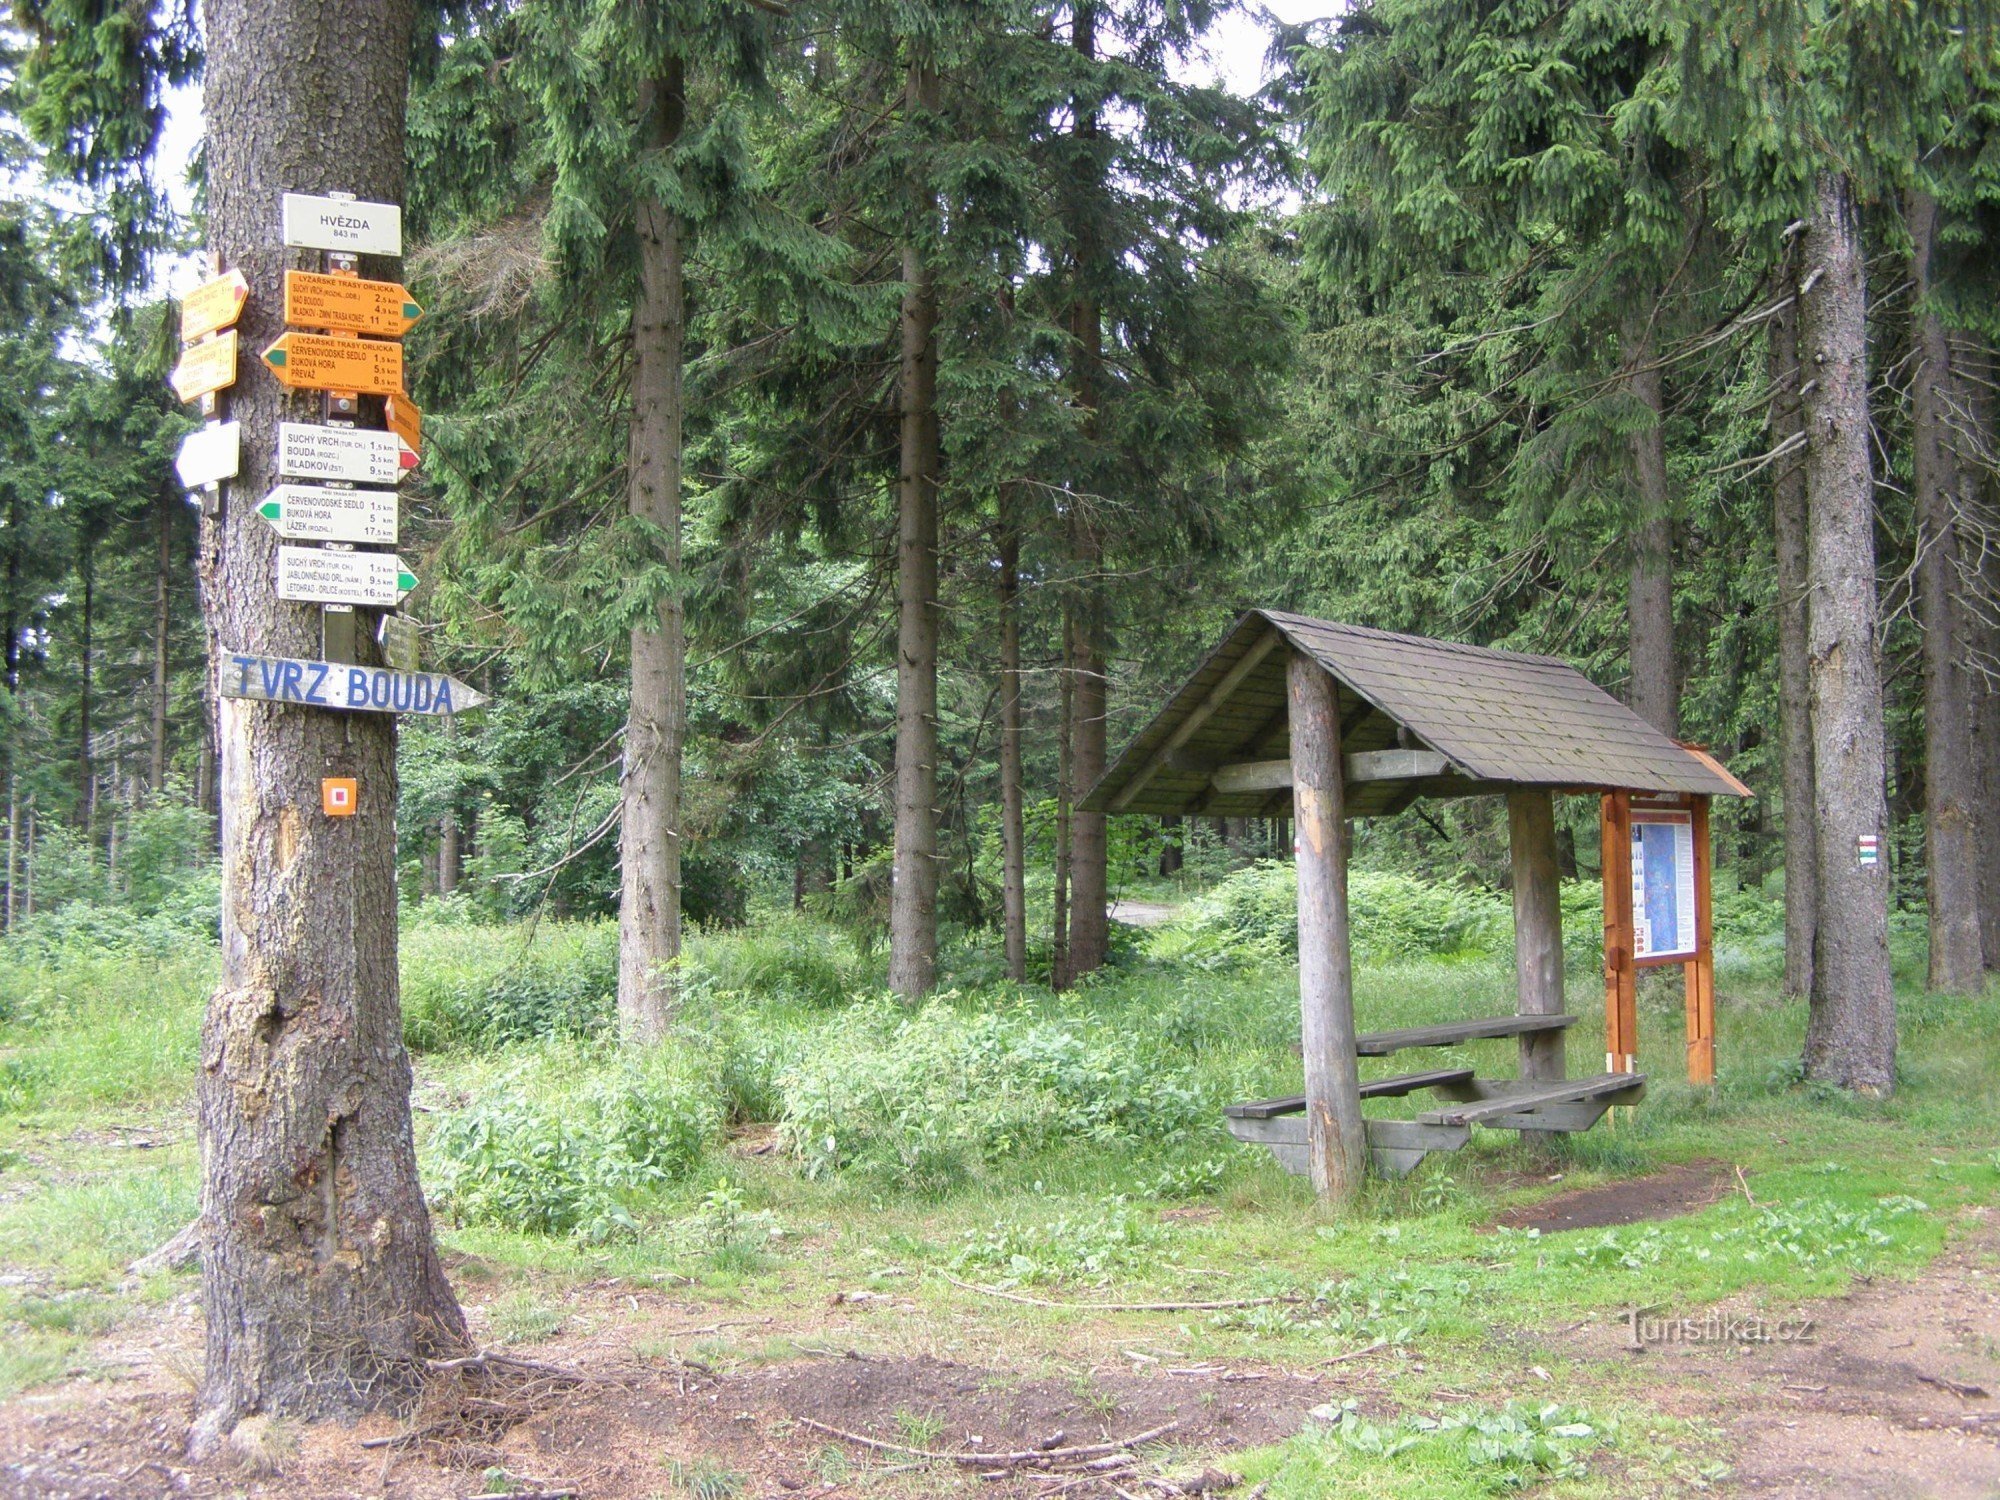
[{"x": 338, "y": 796}]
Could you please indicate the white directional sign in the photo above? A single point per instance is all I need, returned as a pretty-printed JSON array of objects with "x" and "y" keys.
[
  {"x": 332, "y": 684},
  {"x": 343, "y": 224},
  {"x": 306, "y": 451},
  {"x": 320, "y": 513},
  {"x": 312, "y": 575},
  {"x": 210, "y": 454}
]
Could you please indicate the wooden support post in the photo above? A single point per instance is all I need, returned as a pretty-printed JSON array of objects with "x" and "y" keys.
[
  {"x": 1538, "y": 942},
  {"x": 1337, "y": 1149},
  {"x": 1621, "y": 977},
  {"x": 1701, "y": 968}
]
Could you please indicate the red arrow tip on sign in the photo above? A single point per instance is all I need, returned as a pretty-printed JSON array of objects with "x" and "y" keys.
[{"x": 406, "y": 458}]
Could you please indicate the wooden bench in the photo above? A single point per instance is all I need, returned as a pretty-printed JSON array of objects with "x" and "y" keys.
[
  {"x": 1371, "y": 1088},
  {"x": 1451, "y": 1033},
  {"x": 1505, "y": 1104}
]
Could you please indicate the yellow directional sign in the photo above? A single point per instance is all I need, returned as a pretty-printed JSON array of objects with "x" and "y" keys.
[
  {"x": 348, "y": 303},
  {"x": 207, "y": 366},
  {"x": 315, "y": 362},
  {"x": 405, "y": 421},
  {"x": 215, "y": 305}
]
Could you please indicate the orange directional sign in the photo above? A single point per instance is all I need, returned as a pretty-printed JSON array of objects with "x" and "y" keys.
[
  {"x": 215, "y": 305},
  {"x": 205, "y": 367},
  {"x": 348, "y": 303},
  {"x": 315, "y": 362},
  {"x": 405, "y": 421}
]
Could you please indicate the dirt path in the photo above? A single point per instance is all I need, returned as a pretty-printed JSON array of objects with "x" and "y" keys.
[
  {"x": 1136, "y": 913},
  {"x": 1887, "y": 1392}
]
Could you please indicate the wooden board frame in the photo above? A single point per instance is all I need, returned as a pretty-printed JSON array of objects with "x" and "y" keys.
[{"x": 1622, "y": 966}]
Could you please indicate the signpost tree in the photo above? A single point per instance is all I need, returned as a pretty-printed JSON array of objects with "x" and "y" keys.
[{"x": 321, "y": 1285}]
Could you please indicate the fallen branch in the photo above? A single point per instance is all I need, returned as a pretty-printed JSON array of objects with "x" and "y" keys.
[
  {"x": 177, "y": 1254},
  {"x": 1958, "y": 1388},
  {"x": 1035, "y": 1456},
  {"x": 994, "y": 1291},
  {"x": 1341, "y": 1359},
  {"x": 1744, "y": 1183},
  {"x": 488, "y": 1362}
]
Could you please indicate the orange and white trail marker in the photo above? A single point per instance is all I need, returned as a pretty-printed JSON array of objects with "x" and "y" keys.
[
  {"x": 406, "y": 421},
  {"x": 319, "y": 362},
  {"x": 349, "y": 304},
  {"x": 213, "y": 306},
  {"x": 205, "y": 367}
]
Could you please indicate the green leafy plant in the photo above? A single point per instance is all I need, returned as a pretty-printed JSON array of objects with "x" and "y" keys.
[
  {"x": 568, "y": 1143},
  {"x": 924, "y": 1100}
]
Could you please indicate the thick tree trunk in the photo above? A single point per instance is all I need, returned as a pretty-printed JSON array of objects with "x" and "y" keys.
[
  {"x": 164, "y": 504},
  {"x": 649, "y": 820},
  {"x": 1788, "y": 497},
  {"x": 914, "y": 877},
  {"x": 1089, "y": 879},
  {"x": 1951, "y": 778},
  {"x": 321, "y": 1288},
  {"x": 1013, "y": 841},
  {"x": 1851, "y": 1033},
  {"x": 1649, "y": 606},
  {"x": 1336, "y": 1146}
]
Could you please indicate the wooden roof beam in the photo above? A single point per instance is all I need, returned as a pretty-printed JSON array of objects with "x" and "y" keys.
[
  {"x": 1365, "y": 765},
  {"x": 1197, "y": 716}
]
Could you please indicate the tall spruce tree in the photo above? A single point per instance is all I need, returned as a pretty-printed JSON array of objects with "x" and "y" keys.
[{"x": 321, "y": 1286}]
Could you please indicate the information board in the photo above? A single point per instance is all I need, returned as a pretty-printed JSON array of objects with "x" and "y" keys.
[{"x": 1663, "y": 894}]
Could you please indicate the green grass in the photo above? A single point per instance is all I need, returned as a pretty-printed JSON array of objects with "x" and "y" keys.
[{"x": 954, "y": 1172}]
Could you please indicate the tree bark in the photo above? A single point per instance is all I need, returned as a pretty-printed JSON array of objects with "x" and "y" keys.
[
  {"x": 164, "y": 505},
  {"x": 1013, "y": 841},
  {"x": 1649, "y": 606},
  {"x": 914, "y": 875},
  {"x": 1795, "y": 744},
  {"x": 1089, "y": 904},
  {"x": 1851, "y": 1033},
  {"x": 1336, "y": 1146},
  {"x": 649, "y": 841},
  {"x": 320, "y": 1285},
  {"x": 1979, "y": 500},
  {"x": 1951, "y": 778}
]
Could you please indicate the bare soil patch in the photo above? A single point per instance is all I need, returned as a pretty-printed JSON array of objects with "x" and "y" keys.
[
  {"x": 1658, "y": 1195},
  {"x": 617, "y": 1435}
]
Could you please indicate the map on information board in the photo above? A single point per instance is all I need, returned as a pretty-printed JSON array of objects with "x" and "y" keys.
[{"x": 1663, "y": 902}]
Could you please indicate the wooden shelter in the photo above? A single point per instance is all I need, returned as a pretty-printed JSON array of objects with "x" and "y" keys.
[{"x": 1338, "y": 721}]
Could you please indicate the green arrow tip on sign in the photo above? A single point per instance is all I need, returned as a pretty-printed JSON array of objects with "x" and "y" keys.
[
  {"x": 406, "y": 581},
  {"x": 271, "y": 509},
  {"x": 274, "y": 356},
  {"x": 412, "y": 311}
]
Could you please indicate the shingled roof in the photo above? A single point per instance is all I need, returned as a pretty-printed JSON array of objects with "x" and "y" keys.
[{"x": 1499, "y": 719}]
